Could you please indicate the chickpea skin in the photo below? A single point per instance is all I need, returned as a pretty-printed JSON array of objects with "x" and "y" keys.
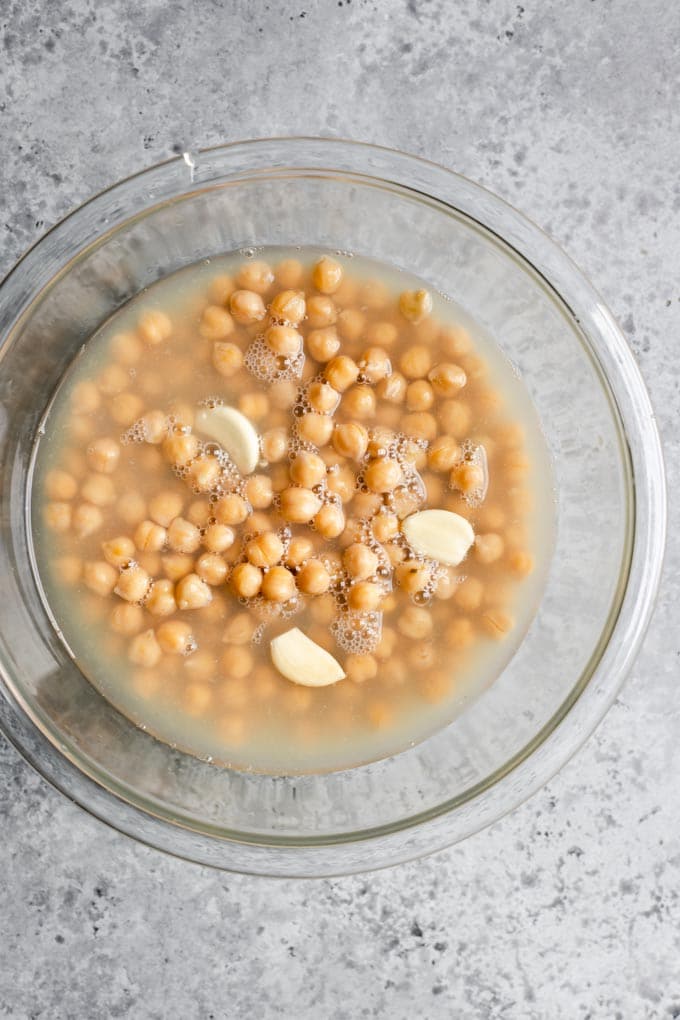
[
  {"x": 247, "y": 307},
  {"x": 278, "y": 585},
  {"x": 246, "y": 580},
  {"x": 315, "y": 428},
  {"x": 100, "y": 577},
  {"x": 103, "y": 455},
  {"x": 144, "y": 650},
  {"x": 359, "y": 561},
  {"x": 307, "y": 469},
  {"x": 288, "y": 307},
  {"x": 330, "y": 521},
  {"x": 227, "y": 359},
  {"x": 365, "y": 596},
  {"x": 341, "y": 372},
  {"x": 192, "y": 593},
  {"x": 327, "y": 275},
  {"x": 313, "y": 578},
  {"x": 382, "y": 474},
  {"x": 183, "y": 536},
  {"x": 265, "y": 550},
  {"x": 299, "y": 550},
  {"x": 161, "y": 598}
]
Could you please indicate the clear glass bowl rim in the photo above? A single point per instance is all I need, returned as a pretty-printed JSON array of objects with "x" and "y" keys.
[{"x": 576, "y": 718}]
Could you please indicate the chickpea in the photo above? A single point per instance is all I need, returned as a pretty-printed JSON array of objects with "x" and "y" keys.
[
  {"x": 315, "y": 428},
  {"x": 98, "y": 490},
  {"x": 395, "y": 554},
  {"x": 100, "y": 577},
  {"x": 488, "y": 548},
  {"x": 459, "y": 633},
  {"x": 133, "y": 583},
  {"x": 240, "y": 629},
  {"x": 176, "y": 637},
  {"x": 385, "y": 526},
  {"x": 126, "y": 348},
  {"x": 307, "y": 470},
  {"x": 200, "y": 666},
  {"x": 468, "y": 595},
  {"x": 447, "y": 379},
  {"x": 467, "y": 476},
  {"x": 351, "y": 324},
  {"x": 125, "y": 408},
  {"x": 165, "y": 506},
  {"x": 231, "y": 509},
  {"x": 103, "y": 455},
  {"x": 455, "y": 417},
  {"x": 392, "y": 388},
  {"x": 419, "y": 395},
  {"x": 341, "y": 372},
  {"x": 359, "y": 561},
  {"x": 365, "y": 596},
  {"x": 321, "y": 311},
  {"x": 216, "y": 323},
  {"x": 421, "y": 657},
  {"x": 322, "y": 397},
  {"x": 299, "y": 549},
  {"x": 342, "y": 482},
  {"x": 412, "y": 576},
  {"x": 86, "y": 518},
  {"x": 118, "y": 551},
  {"x": 161, "y": 598},
  {"x": 327, "y": 275},
  {"x": 521, "y": 563},
  {"x": 415, "y": 623},
  {"x": 275, "y": 445},
  {"x": 415, "y": 363},
  {"x": 144, "y": 650},
  {"x": 177, "y": 565},
  {"x": 255, "y": 275},
  {"x": 192, "y": 592},
  {"x": 254, "y": 405},
  {"x": 283, "y": 340},
  {"x": 183, "y": 536},
  {"x": 359, "y": 402},
  {"x": 237, "y": 662},
  {"x": 154, "y": 327},
  {"x": 497, "y": 623},
  {"x": 246, "y": 307},
  {"x": 68, "y": 569},
  {"x": 150, "y": 537},
  {"x": 288, "y": 307},
  {"x": 85, "y": 398},
  {"x": 323, "y": 344},
  {"x": 246, "y": 580},
  {"x": 218, "y": 538},
  {"x": 259, "y": 491},
  {"x": 299, "y": 505},
  {"x": 278, "y": 584},
  {"x": 126, "y": 618},
  {"x": 330, "y": 521},
  {"x": 420, "y": 425},
  {"x": 211, "y": 568},
  {"x": 313, "y": 578},
  {"x": 60, "y": 485},
  {"x": 350, "y": 440},
  {"x": 197, "y": 698},
  {"x": 180, "y": 448},
  {"x": 374, "y": 364},
  {"x": 382, "y": 474},
  {"x": 443, "y": 454},
  {"x": 227, "y": 359},
  {"x": 415, "y": 305},
  {"x": 360, "y": 668},
  {"x": 515, "y": 465},
  {"x": 289, "y": 273},
  {"x": 265, "y": 550},
  {"x": 221, "y": 288},
  {"x": 57, "y": 516}
]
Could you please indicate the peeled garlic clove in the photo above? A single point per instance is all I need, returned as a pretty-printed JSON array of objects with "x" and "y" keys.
[
  {"x": 439, "y": 534},
  {"x": 233, "y": 431},
  {"x": 301, "y": 660}
]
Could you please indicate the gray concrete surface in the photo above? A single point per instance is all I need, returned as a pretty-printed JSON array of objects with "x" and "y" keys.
[{"x": 568, "y": 908}]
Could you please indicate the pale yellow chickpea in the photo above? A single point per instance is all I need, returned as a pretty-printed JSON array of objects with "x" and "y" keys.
[
  {"x": 351, "y": 324},
  {"x": 191, "y": 592},
  {"x": 246, "y": 307},
  {"x": 443, "y": 454},
  {"x": 177, "y": 565},
  {"x": 521, "y": 563},
  {"x": 289, "y": 273},
  {"x": 359, "y": 402},
  {"x": 366, "y": 504},
  {"x": 387, "y": 644},
  {"x": 275, "y": 445},
  {"x": 80, "y": 429},
  {"x": 74, "y": 462},
  {"x": 467, "y": 476},
  {"x": 447, "y": 379},
  {"x": 327, "y": 275},
  {"x": 459, "y": 633},
  {"x": 150, "y": 537},
  {"x": 307, "y": 469},
  {"x": 412, "y": 576},
  {"x": 278, "y": 584},
  {"x": 455, "y": 340},
  {"x": 68, "y": 569},
  {"x": 126, "y": 348},
  {"x": 341, "y": 372},
  {"x": 365, "y": 596},
  {"x": 491, "y": 516},
  {"x": 385, "y": 526},
  {"x": 322, "y": 397},
  {"x": 283, "y": 340},
  {"x": 323, "y": 344},
  {"x": 455, "y": 417},
  {"x": 254, "y": 405},
  {"x": 161, "y": 598},
  {"x": 420, "y": 425},
  {"x": 126, "y": 619},
  {"x": 112, "y": 380},
  {"x": 259, "y": 492},
  {"x": 98, "y": 490},
  {"x": 199, "y": 512},
  {"x": 118, "y": 551},
  {"x": 227, "y": 359},
  {"x": 264, "y": 550},
  {"x": 150, "y": 384},
  {"x": 360, "y": 561},
  {"x": 382, "y": 474},
  {"x": 488, "y": 548},
  {"x": 395, "y": 554},
  {"x": 415, "y": 623},
  {"x": 132, "y": 583},
  {"x": 321, "y": 311},
  {"x": 221, "y": 288},
  {"x": 374, "y": 364},
  {"x": 255, "y": 275},
  {"x": 374, "y": 294},
  {"x": 197, "y": 698},
  {"x": 392, "y": 389},
  {"x": 211, "y": 568},
  {"x": 330, "y": 521},
  {"x": 201, "y": 665},
  {"x": 183, "y": 536},
  {"x": 237, "y": 662},
  {"x": 182, "y": 414},
  {"x": 288, "y": 307},
  {"x": 85, "y": 398},
  {"x": 60, "y": 485},
  {"x": 315, "y": 428},
  {"x": 350, "y": 440},
  {"x": 246, "y": 580},
  {"x": 299, "y": 505},
  {"x": 144, "y": 649},
  {"x": 419, "y": 395},
  {"x": 299, "y": 550},
  {"x": 416, "y": 362},
  {"x": 125, "y": 408},
  {"x": 154, "y": 427},
  {"x": 86, "y": 519},
  {"x": 342, "y": 482},
  {"x": 180, "y": 448},
  {"x": 218, "y": 538},
  {"x": 360, "y": 668},
  {"x": 240, "y": 629},
  {"x": 151, "y": 561},
  {"x": 313, "y": 578},
  {"x": 468, "y": 595},
  {"x": 204, "y": 472},
  {"x": 259, "y": 521},
  {"x": 154, "y": 327},
  {"x": 175, "y": 637},
  {"x": 100, "y": 577},
  {"x": 216, "y": 323},
  {"x": 415, "y": 305},
  {"x": 497, "y": 623},
  {"x": 230, "y": 509},
  {"x": 165, "y": 506}
]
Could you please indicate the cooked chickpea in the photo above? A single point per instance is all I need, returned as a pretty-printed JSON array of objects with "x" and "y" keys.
[
  {"x": 240, "y": 629},
  {"x": 211, "y": 568},
  {"x": 351, "y": 324},
  {"x": 322, "y": 397},
  {"x": 118, "y": 551},
  {"x": 415, "y": 623},
  {"x": 455, "y": 417},
  {"x": 125, "y": 408},
  {"x": 259, "y": 521},
  {"x": 360, "y": 668},
  {"x": 299, "y": 505},
  {"x": 329, "y": 521},
  {"x": 254, "y": 405},
  {"x": 366, "y": 504},
  {"x": 265, "y": 550},
  {"x": 144, "y": 649},
  {"x": 385, "y": 526},
  {"x": 374, "y": 364},
  {"x": 359, "y": 402},
  {"x": 183, "y": 536},
  {"x": 199, "y": 512},
  {"x": 180, "y": 448},
  {"x": 415, "y": 305},
  {"x": 275, "y": 445},
  {"x": 313, "y": 578},
  {"x": 278, "y": 584},
  {"x": 60, "y": 485},
  {"x": 221, "y": 288},
  {"x": 126, "y": 348},
  {"x": 288, "y": 307},
  {"x": 467, "y": 476},
  {"x": 103, "y": 455},
  {"x": 227, "y": 359},
  {"x": 315, "y": 428},
  {"x": 246, "y": 580},
  {"x": 165, "y": 506},
  {"x": 255, "y": 275},
  {"x": 420, "y": 425},
  {"x": 459, "y": 633},
  {"x": 468, "y": 595},
  {"x": 488, "y": 548},
  {"x": 283, "y": 340},
  {"x": 98, "y": 490},
  {"x": 218, "y": 538},
  {"x": 415, "y": 362},
  {"x": 393, "y": 388},
  {"x": 382, "y": 474},
  {"x": 447, "y": 379},
  {"x": 246, "y": 307},
  {"x": 150, "y": 537},
  {"x": 342, "y": 482},
  {"x": 86, "y": 518},
  {"x": 58, "y": 516},
  {"x": 216, "y": 323},
  {"x": 307, "y": 469},
  {"x": 395, "y": 554},
  {"x": 192, "y": 593},
  {"x": 176, "y": 637},
  {"x": 161, "y": 598},
  {"x": 350, "y": 440},
  {"x": 299, "y": 549},
  {"x": 521, "y": 563},
  {"x": 85, "y": 398},
  {"x": 497, "y": 623},
  {"x": 132, "y": 583},
  {"x": 237, "y": 662},
  {"x": 365, "y": 596},
  {"x": 327, "y": 275},
  {"x": 360, "y": 561},
  {"x": 323, "y": 344},
  {"x": 289, "y": 273},
  {"x": 259, "y": 491},
  {"x": 419, "y": 395},
  {"x": 177, "y": 565},
  {"x": 230, "y": 509},
  {"x": 126, "y": 619},
  {"x": 100, "y": 577},
  {"x": 443, "y": 454},
  {"x": 283, "y": 394},
  {"x": 154, "y": 327},
  {"x": 321, "y": 311},
  {"x": 341, "y": 372},
  {"x": 412, "y": 576}
]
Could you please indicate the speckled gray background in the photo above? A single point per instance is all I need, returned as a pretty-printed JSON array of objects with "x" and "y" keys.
[{"x": 568, "y": 908}]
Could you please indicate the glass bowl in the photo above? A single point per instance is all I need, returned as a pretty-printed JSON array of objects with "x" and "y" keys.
[{"x": 598, "y": 425}]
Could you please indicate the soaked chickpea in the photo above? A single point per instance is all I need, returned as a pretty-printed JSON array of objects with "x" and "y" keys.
[
  {"x": 341, "y": 372},
  {"x": 361, "y": 668},
  {"x": 359, "y": 402},
  {"x": 165, "y": 506},
  {"x": 321, "y": 311},
  {"x": 246, "y": 307},
  {"x": 275, "y": 445},
  {"x": 60, "y": 485},
  {"x": 175, "y": 637},
  {"x": 443, "y": 454},
  {"x": 447, "y": 379},
  {"x": 231, "y": 509},
  {"x": 299, "y": 550},
  {"x": 488, "y": 548},
  {"x": 329, "y": 521},
  {"x": 284, "y": 340},
  {"x": 259, "y": 492},
  {"x": 221, "y": 288},
  {"x": 360, "y": 561},
  {"x": 419, "y": 395},
  {"x": 256, "y": 276},
  {"x": 86, "y": 518},
  {"x": 177, "y": 565},
  {"x": 412, "y": 576},
  {"x": 341, "y": 481},
  {"x": 415, "y": 623},
  {"x": 455, "y": 417},
  {"x": 327, "y": 275},
  {"x": 254, "y": 406},
  {"x": 98, "y": 490},
  {"x": 278, "y": 584},
  {"x": 132, "y": 583},
  {"x": 521, "y": 563},
  {"x": 126, "y": 619},
  {"x": 385, "y": 527},
  {"x": 265, "y": 550},
  {"x": 289, "y": 274},
  {"x": 315, "y": 428},
  {"x": 154, "y": 327},
  {"x": 382, "y": 474},
  {"x": 467, "y": 476},
  {"x": 351, "y": 323},
  {"x": 160, "y": 600},
  {"x": 216, "y": 323},
  {"x": 322, "y": 397},
  {"x": 227, "y": 359},
  {"x": 468, "y": 594},
  {"x": 374, "y": 364},
  {"x": 365, "y": 596},
  {"x": 191, "y": 592},
  {"x": 288, "y": 307},
  {"x": 118, "y": 551},
  {"x": 246, "y": 580},
  {"x": 150, "y": 537},
  {"x": 313, "y": 578},
  {"x": 218, "y": 538},
  {"x": 420, "y": 425},
  {"x": 496, "y": 623},
  {"x": 144, "y": 649},
  {"x": 183, "y": 536},
  {"x": 299, "y": 505},
  {"x": 416, "y": 362},
  {"x": 415, "y": 305},
  {"x": 100, "y": 577},
  {"x": 323, "y": 344},
  {"x": 125, "y": 408}
]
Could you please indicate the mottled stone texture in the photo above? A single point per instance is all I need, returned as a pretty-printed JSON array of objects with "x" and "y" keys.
[{"x": 568, "y": 908}]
